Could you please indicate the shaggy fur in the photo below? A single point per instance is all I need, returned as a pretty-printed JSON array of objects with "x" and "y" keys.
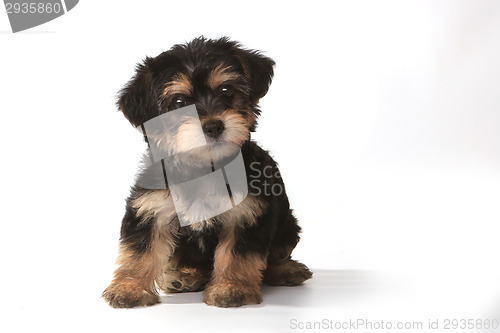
[{"x": 228, "y": 256}]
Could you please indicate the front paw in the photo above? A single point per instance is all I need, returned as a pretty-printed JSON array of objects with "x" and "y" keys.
[
  {"x": 226, "y": 295},
  {"x": 126, "y": 295}
]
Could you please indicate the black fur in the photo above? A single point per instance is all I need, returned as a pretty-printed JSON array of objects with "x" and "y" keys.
[
  {"x": 276, "y": 231},
  {"x": 139, "y": 99}
]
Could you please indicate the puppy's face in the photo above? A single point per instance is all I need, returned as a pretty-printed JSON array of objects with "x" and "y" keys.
[{"x": 223, "y": 81}]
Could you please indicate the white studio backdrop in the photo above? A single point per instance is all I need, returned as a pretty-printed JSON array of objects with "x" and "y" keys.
[{"x": 383, "y": 115}]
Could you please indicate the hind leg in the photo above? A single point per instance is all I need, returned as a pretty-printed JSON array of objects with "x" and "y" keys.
[
  {"x": 287, "y": 272},
  {"x": 281, "y": 269},
  {"x": 184, "y": 279},
  {"x": 178, "y": 276}
]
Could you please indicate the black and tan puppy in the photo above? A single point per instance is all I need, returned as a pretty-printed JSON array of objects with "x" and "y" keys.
[{"x": 230, "y": 255}]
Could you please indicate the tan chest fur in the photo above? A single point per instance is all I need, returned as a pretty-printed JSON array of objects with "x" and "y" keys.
[{"x": 158, "y": 205}]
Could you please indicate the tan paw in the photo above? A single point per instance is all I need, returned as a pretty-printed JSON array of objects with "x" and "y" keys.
[
  {"x": 127, "y": 295},
  {"x": 287, "y": 273},
  {"x": 185, "y": 279},
  {"x": 231, "y": 294}
]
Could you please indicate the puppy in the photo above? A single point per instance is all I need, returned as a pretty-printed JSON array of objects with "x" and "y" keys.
[{"x": 228, "y": 255}]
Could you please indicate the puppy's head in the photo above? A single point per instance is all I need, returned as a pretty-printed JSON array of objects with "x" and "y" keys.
[{"x": 223, "y": 81}]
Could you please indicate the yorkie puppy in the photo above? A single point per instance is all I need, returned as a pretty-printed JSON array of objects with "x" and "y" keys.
[{"x": 178, "y": 246}]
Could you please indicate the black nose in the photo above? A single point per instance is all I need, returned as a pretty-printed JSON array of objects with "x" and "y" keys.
[{"x": 213, "y": 128}]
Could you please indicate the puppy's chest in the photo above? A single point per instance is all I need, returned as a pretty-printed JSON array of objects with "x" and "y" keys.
[
  {"x": 196, "y": 242},
  {"x": 158, "y": 206}
]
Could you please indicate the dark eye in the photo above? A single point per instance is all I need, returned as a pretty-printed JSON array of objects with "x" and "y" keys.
[
  {"x": 226, "y": 90},
  {"x": 177, "y": 102}
]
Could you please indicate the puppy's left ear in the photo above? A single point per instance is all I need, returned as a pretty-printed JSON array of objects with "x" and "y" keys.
[{"x": 258, "y": 70}]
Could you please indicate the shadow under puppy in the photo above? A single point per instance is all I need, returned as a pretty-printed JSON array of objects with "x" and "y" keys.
[{"x": 230, "y": 255}]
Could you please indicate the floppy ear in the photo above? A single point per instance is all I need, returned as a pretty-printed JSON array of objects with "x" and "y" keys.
[
  {"x": 259, "y": 71},
  {"x": 138, "y": 100}
]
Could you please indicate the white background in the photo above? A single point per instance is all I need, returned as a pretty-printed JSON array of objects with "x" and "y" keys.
[{"x": 384, "y": 117}]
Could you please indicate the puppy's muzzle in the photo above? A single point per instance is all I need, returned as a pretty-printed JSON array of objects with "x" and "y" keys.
[{"x": 213, "y": 128}]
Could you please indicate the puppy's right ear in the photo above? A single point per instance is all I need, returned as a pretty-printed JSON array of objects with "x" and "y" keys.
[{"x": 138, "y": 100}]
